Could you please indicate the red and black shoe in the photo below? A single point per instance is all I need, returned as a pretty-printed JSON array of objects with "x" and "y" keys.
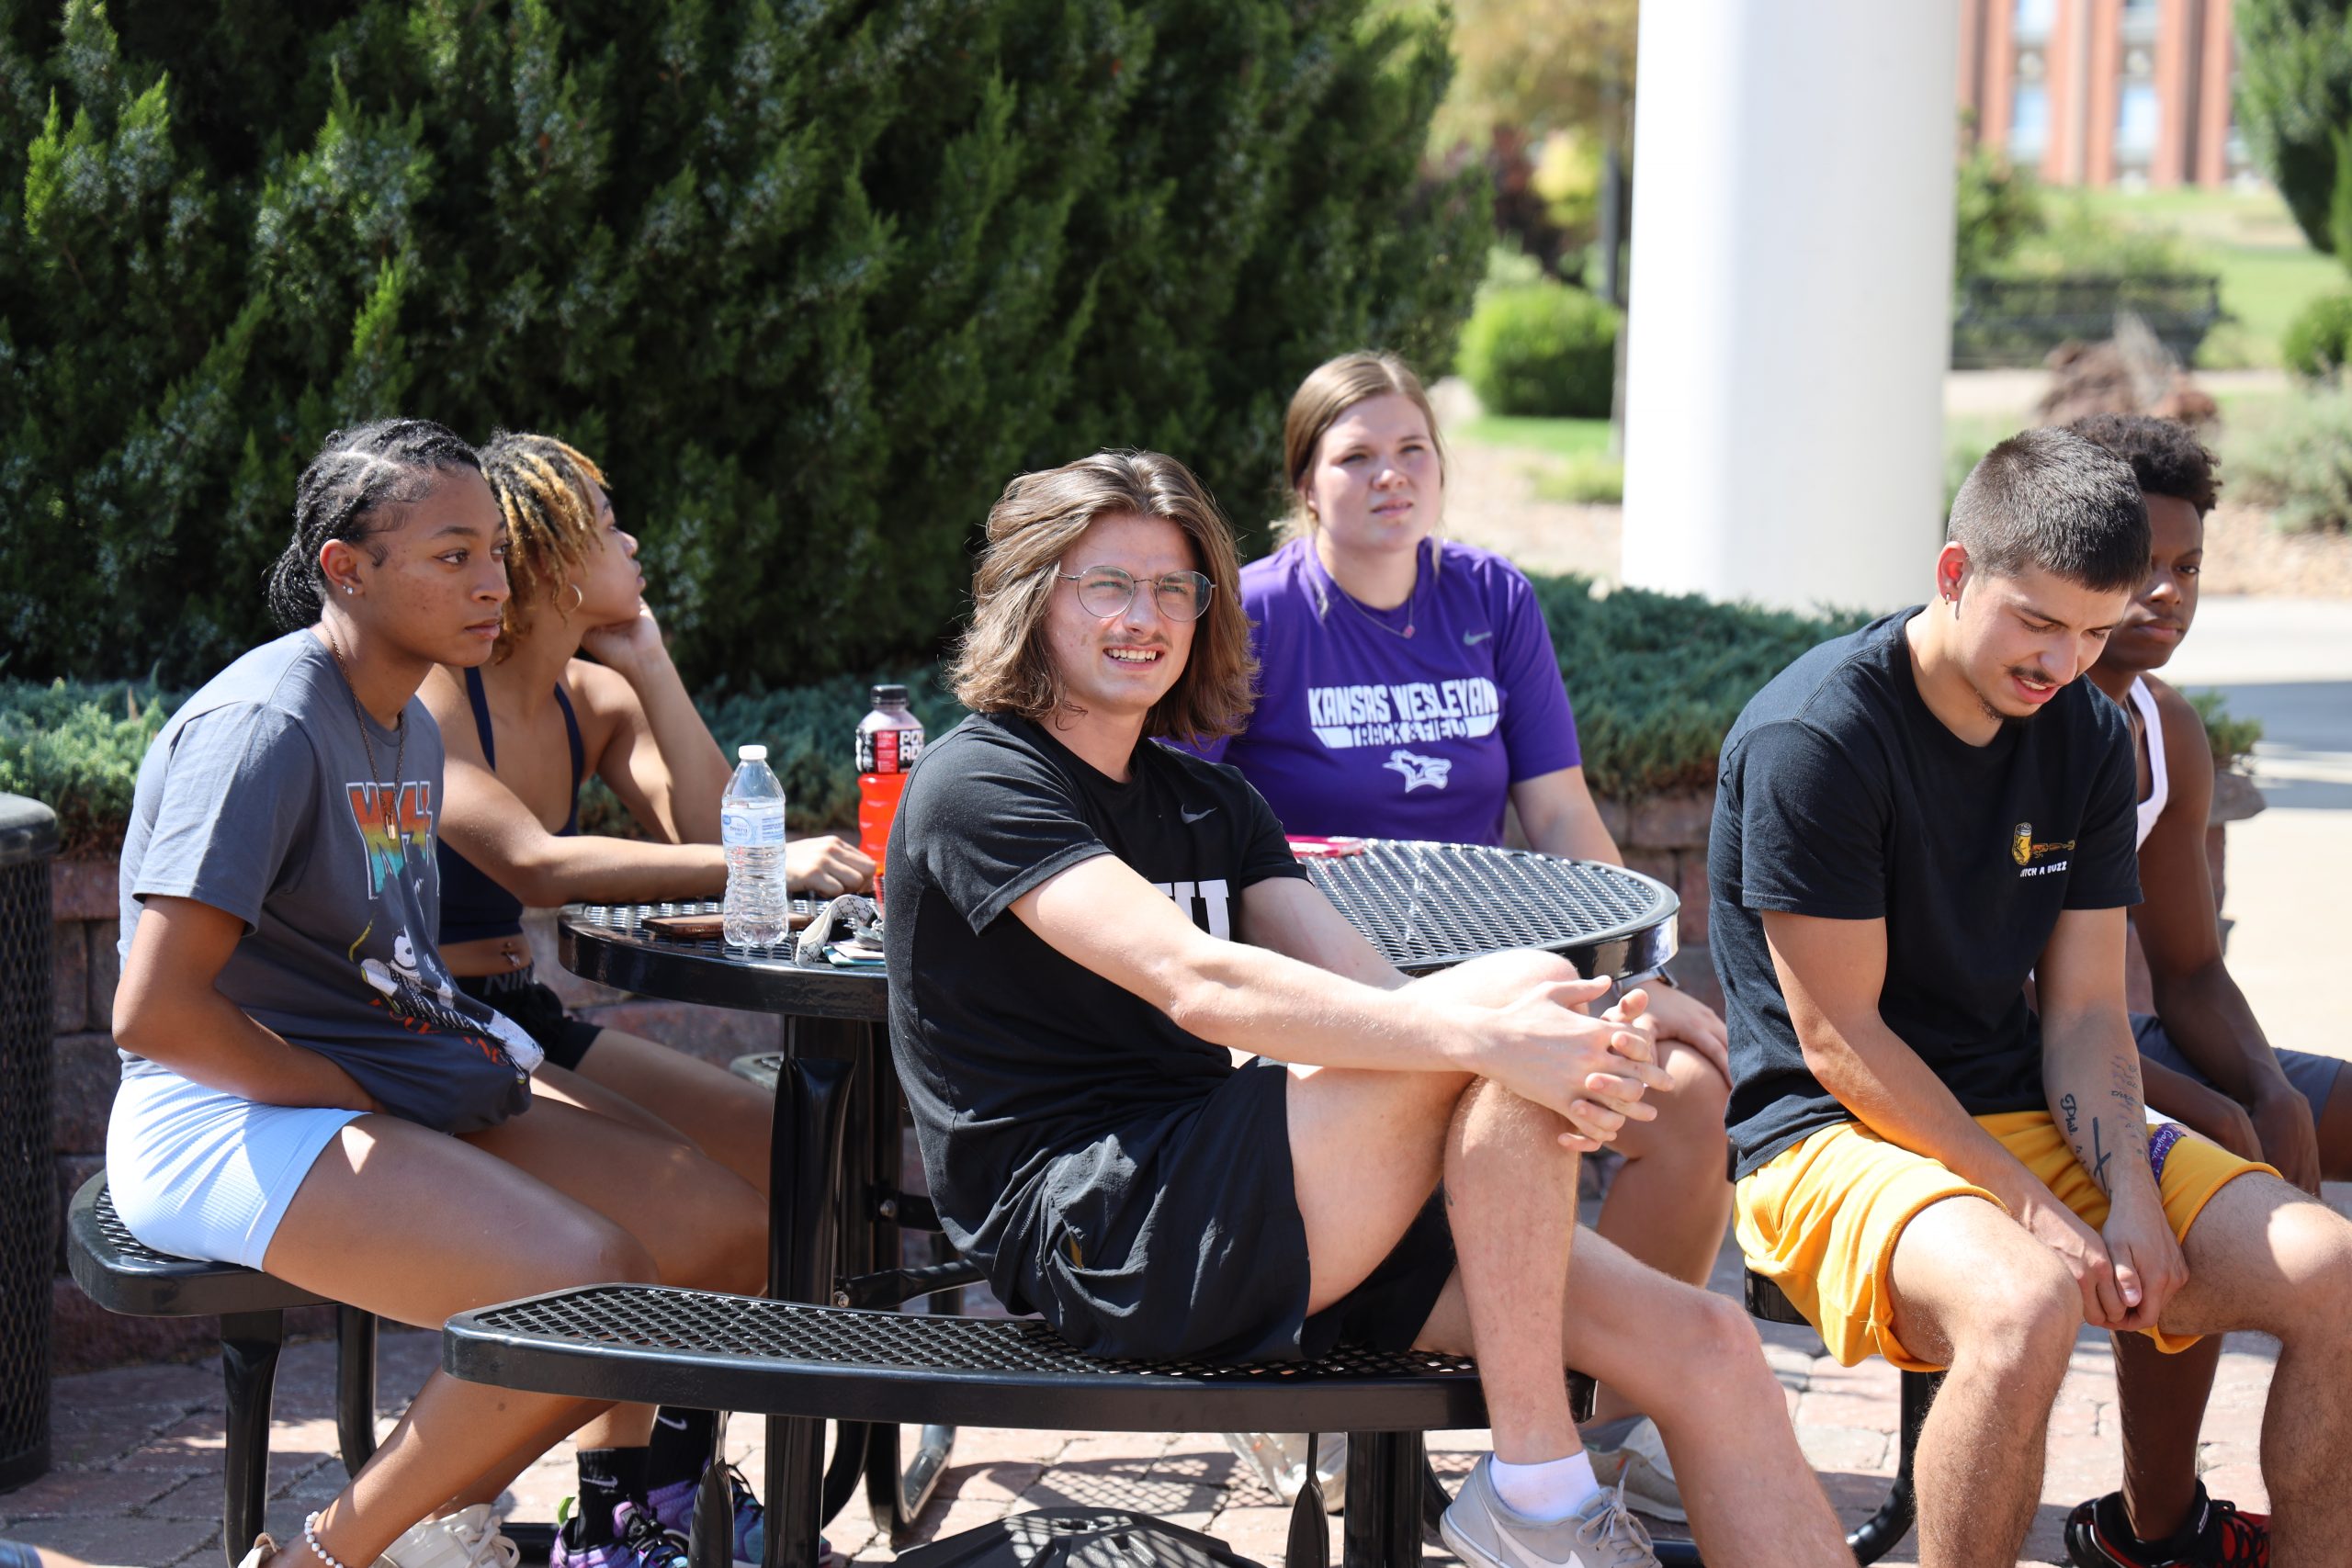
[{"x": 2098, "y": 1535}]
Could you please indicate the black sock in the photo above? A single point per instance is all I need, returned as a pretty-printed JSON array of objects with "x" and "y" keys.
[
  {"x": 608, "y": 1477},
  {"x": 681, "y": 1446}
]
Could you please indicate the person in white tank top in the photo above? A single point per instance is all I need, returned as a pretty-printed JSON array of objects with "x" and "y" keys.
[{"x": 2204, "y": 1060}]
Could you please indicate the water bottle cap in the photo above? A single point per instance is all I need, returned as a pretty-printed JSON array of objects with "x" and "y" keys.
[
  {"x": 751, "y": 753},
  {"x": 889, "y": 693}
]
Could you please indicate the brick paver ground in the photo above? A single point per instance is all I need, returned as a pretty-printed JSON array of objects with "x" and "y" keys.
[{"x": 138, "y": 1477}]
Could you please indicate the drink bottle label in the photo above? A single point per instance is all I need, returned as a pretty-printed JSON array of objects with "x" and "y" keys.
[
  {"x": 743, "y": 825},
  {"x": 888, "y": 750}
]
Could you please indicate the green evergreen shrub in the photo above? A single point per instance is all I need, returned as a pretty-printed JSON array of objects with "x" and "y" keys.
[
  {"x": 1541, "y": 349},
  {"x": 2318, "y": 342},
  {"x": 1656, "y": 678},
  {"x": 810, "y": 281},
  {"x": 2294, "y": 104}
]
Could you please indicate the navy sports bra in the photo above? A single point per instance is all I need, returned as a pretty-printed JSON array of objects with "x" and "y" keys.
[{"x": 473, "y": 905}]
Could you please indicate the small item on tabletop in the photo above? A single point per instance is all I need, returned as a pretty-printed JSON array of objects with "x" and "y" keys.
[
  {"x": 758, "y": 908},
  {"x": 889, "y": 739},
  {"x": 1312, "y": 846}
]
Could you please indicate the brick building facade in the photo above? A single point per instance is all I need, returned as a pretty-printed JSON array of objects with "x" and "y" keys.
[{"x": 2104, "y": 92}]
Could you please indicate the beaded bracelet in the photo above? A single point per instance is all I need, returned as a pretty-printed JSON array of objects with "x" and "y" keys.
[{"x": 318, "y": 1548}]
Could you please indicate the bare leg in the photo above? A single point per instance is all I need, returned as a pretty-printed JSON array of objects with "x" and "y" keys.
[
  {"x": 2265, "y": 1257},
  {"x": 2163, "y": 1402},
  {"x": 1693, "y": 1361},
  {"x": 1975, "y": 1292},
  {"x": 1671, "y": 1201},
  {"x": 729, "y": 1119},
  {"x": 552, "y": 1199},
  {"x": 1510, "y": 1197},
  {"x": 1367, "y": 1149}
]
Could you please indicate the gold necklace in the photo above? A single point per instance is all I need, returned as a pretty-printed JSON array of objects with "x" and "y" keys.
[{"x": 386, "y": 797}]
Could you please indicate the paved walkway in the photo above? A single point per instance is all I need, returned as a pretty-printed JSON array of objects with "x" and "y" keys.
[{"x": 138, "y": 1476}]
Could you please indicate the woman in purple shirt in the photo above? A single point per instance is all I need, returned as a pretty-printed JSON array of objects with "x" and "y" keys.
[{"x": 1410, "y": 691}]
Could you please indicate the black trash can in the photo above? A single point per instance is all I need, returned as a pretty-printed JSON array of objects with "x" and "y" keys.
[{"x": 27, "y": 1168}]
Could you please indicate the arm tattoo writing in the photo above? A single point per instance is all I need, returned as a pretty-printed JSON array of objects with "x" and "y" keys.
[{"x": 2066, "y": 1103}]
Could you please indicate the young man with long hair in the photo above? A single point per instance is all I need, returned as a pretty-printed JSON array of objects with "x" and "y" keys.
[{"x": 1083, "y": 922}]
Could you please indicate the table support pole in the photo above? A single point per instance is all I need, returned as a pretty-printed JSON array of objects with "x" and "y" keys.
[
  {"x": 812, "y": 1098},
  {"x": 1384, "y": 1517}
]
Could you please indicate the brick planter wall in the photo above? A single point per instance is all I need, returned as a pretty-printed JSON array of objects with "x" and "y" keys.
[{"x": 1662, "y": 836}]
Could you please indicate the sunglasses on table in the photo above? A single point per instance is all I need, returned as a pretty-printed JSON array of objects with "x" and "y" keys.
[{"x": 1107, "y": 591}]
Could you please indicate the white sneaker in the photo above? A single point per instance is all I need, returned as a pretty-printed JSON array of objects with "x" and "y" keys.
[
  {"x": 1278, "y": 1458},
  {"x": 467, "y": 1539},
  {"x": 1485, "y": 1533},
  {"x": 1629, "y": 1455},
  {"x": 263, "y": 1548}
]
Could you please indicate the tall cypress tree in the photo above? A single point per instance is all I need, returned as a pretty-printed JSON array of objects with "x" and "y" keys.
[{"x": 812, "y": 279}]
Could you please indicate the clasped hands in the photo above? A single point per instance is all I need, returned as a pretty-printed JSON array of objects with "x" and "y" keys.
[{"x": 1593, "y": 1071}]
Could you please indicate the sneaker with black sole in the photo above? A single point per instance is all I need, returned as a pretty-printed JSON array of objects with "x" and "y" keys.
[
  {"x": 2098, "y": 1535},
  {"x": 674, "y": 1510},
  {"x": 642, "y": 1544},
  {"x": 1486, "y": 1532}
]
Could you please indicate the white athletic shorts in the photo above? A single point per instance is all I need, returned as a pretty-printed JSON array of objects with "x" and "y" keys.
[{"x": 198, "y": 1173}]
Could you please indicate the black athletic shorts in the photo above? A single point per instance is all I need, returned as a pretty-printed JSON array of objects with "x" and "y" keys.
[
  {"x": 1211, "y": 1262},
  {"x": 522, "y": 997}
]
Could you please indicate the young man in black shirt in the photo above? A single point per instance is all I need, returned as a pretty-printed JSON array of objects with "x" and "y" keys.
[
  {"x": 1909, "y": 821},
  {"x": 2202, "y": 1055},
  {"x": 1063, "y": 993}
]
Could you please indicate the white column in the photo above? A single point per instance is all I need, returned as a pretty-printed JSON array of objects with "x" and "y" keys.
[{"x": 1791, "y": 298}]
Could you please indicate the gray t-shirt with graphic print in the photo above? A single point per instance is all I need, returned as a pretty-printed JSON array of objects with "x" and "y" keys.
[{"x": 260, "y": 798}]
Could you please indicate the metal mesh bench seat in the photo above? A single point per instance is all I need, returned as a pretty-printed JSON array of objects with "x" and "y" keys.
[
  {"x": 655, "y": 1344},
  {"x": 700, "y": 1349},
  {"x": 123, "y": 1274}
]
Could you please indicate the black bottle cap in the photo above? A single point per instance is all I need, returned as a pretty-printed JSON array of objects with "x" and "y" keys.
[{"x": 889, "y": 693}]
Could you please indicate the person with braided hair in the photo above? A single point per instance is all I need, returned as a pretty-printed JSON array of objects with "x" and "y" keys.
[
  {"x": 524, "y": 730},
  {"x": 305, "y": 1089}
]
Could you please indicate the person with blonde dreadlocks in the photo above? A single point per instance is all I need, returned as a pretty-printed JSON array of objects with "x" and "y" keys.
[{"x": 523, "y": 732}]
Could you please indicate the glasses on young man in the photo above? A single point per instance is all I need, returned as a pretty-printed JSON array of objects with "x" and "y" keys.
[{"x": 1107, "y": 591}]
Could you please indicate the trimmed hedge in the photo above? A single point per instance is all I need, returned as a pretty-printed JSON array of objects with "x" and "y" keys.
[
  {"x": 1541, "y": 349},
  {"x": 2318, "y": 342},
  {"x": 1655, "y": 680}
]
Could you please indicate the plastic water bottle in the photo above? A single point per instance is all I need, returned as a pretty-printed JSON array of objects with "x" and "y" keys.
[
  {"x": 751, "y": 816},
  {"x": 889, "y": 740}
]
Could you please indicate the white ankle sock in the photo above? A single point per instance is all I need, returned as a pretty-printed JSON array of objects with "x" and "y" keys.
[{"x": 1549, "y": 1491}]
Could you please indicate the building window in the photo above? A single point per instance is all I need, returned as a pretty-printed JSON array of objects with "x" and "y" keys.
[
  {"x": 2135, "y": 122},
  {"x": 2034, "y": 19},
  {"x": 2029, "y": 121}
]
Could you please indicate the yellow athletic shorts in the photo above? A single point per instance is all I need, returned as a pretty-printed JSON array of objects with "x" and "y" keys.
[{"x": 1820, "y": 1219}]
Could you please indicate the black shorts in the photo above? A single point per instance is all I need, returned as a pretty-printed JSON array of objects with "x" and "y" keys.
[
  {"x": 522, "y": 997},
  {"x": 1215, "y": 1269}
]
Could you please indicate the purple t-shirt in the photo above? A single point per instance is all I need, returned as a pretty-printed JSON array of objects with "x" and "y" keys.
[{"x": 1362, "y": 730}]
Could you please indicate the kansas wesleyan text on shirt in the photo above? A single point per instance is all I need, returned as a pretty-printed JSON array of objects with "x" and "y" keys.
[{"x": 1404, "y": 712}]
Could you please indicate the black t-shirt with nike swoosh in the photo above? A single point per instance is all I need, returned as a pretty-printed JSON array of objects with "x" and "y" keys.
[
  {"x": 1841, "y": 794},
  {"x": 1013, "y": 1055}
]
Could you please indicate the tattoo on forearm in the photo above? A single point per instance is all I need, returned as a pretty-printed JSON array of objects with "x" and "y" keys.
[
  {"x": 2066, "y": 1104},
  {"x": 2099, "y": 1156}
]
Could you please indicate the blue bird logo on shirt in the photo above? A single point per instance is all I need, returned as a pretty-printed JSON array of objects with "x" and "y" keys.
[{"x": 1418, "y": 770}]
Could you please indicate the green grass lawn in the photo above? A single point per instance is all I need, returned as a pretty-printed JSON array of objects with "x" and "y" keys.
[
  {"x": 2268, "y": 270},
  {"x": 1555, "y": 437}
]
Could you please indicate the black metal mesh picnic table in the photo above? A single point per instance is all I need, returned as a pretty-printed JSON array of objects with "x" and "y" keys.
[
  {"x": 1424, "y": 906},
  {"x": 837, "y": 1210}
]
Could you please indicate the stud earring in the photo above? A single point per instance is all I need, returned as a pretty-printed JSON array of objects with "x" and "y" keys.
[{"x": 351, "y": 588}]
